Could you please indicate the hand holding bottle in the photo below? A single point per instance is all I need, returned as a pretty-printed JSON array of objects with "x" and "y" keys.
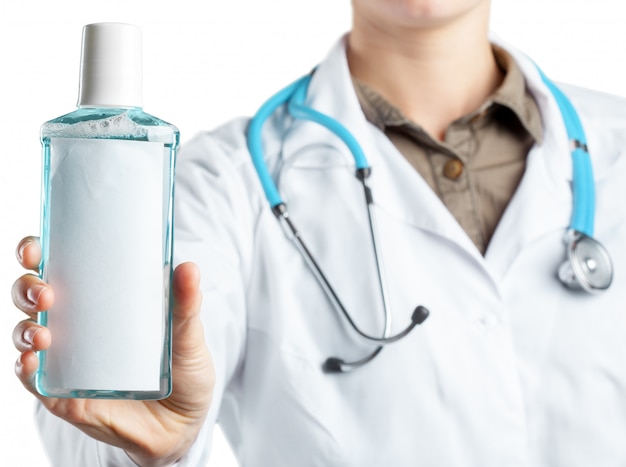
[{"x": 153, "y": 433}]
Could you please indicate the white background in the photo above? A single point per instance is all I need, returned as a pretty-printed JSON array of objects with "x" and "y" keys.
[{"x": 206, "y": 62}]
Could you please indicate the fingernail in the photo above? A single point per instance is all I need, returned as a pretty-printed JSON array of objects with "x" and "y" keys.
[
  {"x": 29, "y": 335},
  {"x": 20, "y": 250},
  {"x": 34, "y": 293}
]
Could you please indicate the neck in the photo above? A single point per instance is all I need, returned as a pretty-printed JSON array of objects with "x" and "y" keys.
[{"x": 434, "y": 74}]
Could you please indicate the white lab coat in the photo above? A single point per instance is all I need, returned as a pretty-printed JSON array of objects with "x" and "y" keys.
[{"x": 511, "y": 369}]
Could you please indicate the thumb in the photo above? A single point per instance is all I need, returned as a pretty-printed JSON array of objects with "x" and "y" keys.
[
  {"x": 192, "y": 367},
  {"x": 186, "y": 326}
]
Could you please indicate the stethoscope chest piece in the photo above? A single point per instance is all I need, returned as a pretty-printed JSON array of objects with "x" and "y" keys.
[{"x": 588, "y": 266}]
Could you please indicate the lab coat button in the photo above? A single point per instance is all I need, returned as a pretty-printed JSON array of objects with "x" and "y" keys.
[
  {"x": 489, "y": 321},
  {"x": 453, "y": 169}
]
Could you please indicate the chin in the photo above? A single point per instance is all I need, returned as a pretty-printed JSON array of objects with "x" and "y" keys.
[{"x": 418, "y": 13}]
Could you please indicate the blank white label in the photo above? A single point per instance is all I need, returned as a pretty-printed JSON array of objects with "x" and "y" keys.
[{"x": 106, "y": 265}]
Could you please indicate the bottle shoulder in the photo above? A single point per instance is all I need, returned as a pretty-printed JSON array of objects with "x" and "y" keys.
[{"x": 112, "y": 123}]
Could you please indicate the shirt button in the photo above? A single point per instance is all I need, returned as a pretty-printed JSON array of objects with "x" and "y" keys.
[{"x": 453, "y": 169}]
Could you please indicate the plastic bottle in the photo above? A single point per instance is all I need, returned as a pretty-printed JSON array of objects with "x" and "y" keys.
[{"x": 107, "y": 231}]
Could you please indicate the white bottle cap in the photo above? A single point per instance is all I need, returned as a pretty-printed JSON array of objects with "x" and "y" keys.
[{"x": 111, "y": 66}]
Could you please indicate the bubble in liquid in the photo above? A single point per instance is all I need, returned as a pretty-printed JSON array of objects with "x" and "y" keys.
[{"x": 120, "y": 124}]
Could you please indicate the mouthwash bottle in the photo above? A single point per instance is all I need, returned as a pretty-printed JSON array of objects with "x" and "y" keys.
[{"x": 107, "y": 231}]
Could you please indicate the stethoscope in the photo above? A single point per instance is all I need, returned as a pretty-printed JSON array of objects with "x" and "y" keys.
[{"x": 587, "y": 267}]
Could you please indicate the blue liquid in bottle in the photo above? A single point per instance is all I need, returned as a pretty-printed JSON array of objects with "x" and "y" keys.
[{"x": 107, "y": 244}]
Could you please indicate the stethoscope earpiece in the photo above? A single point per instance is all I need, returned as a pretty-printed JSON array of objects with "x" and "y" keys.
[{"x": 588, "y": 266}]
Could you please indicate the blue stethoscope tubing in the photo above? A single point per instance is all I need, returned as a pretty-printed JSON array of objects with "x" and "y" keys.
[
  {"x": 583, "y": 212},
  {"x": 294, "y": 96},
  {"x": 588, "y": 266},
  {"x": 583, "y": 187}
]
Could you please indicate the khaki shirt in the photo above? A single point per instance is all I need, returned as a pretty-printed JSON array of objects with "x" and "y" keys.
[{"x": 477, "y": 167}]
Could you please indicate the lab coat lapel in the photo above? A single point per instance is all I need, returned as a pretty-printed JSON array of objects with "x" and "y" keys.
[{"x": 543, "y": 201}]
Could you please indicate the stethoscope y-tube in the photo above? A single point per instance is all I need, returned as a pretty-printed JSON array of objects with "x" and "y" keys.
[
  {"x": 294, "y": 96},
  {"x": 334, "y": 364}
]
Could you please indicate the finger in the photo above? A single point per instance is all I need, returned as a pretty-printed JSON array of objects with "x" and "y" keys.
[
  {"x": 32, "y": 295},
  {"x": 28, "y": 253},
  {"x": 29, "y": 336},
  {"x": 25, "y": 368}
]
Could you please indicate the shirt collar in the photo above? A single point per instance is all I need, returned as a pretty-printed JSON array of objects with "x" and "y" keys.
[{"x": 512, "y": 93}]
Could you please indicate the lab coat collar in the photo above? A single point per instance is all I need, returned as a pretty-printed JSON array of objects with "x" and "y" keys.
[
  {"x": 541, "y": 204},
  {"x": 393, "y": 180}
]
